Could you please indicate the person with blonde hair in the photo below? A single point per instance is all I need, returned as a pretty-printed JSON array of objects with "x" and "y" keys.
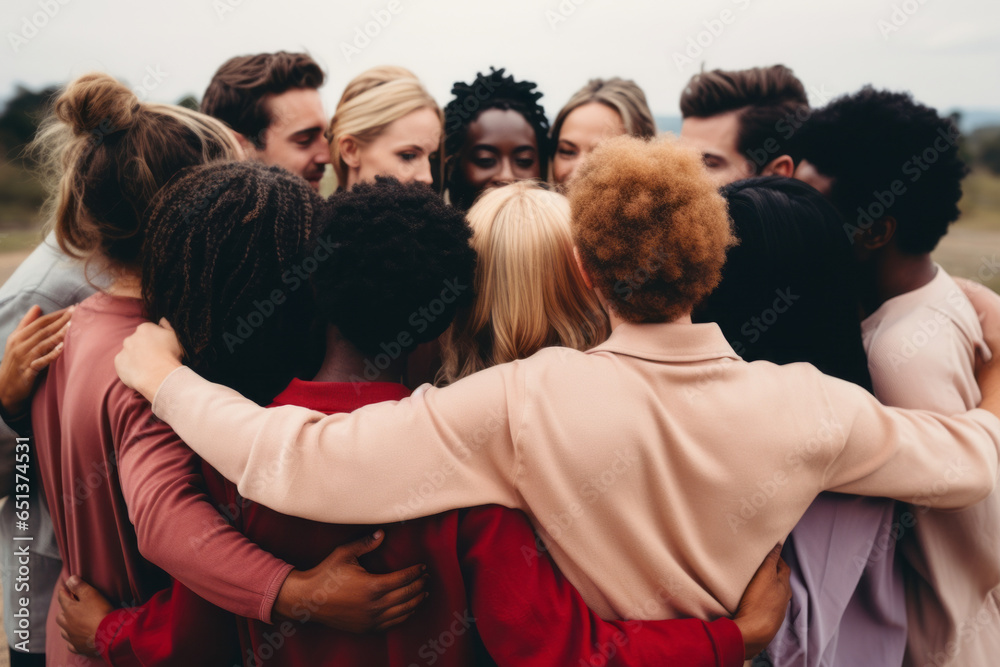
[
  {"x": 386, "y": 124},
  {"x": 529, "y": 292},
  {"x": 601, "y": 109}
]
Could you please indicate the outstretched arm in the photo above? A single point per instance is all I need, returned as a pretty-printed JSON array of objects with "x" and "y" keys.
[{"x": 459, "y": 442}]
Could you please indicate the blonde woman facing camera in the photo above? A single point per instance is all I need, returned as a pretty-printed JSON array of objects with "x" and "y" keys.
[
  {"x": 529, "y": 292},
  {"x": 386, "y": 124},
  {"x": 603, "y": 108}
]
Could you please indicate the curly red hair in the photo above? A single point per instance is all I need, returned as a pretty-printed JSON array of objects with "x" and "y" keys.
[{"x": 651, "y": 229}]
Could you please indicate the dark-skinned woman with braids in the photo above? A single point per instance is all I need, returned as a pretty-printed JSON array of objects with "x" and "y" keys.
[
  {"x": 496, "y": 132},
  {"x": 123, "y": 491}
]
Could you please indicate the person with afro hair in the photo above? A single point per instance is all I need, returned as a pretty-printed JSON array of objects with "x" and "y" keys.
[
  {"x": 495, "y": 132},
  {"x": 892, "y": 168}
]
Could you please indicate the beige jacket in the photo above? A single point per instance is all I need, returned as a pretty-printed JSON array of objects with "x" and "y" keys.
[{"x": 659, "y": 467}]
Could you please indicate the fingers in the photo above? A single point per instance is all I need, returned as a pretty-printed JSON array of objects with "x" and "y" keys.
[
  {"x": 64, "y": 601},
  {"x": 357, "y": 548},
  {"x": 48, "y": 326},
  {"x": 166, "y": 324},
  {"x": 29, "y": 317},
  {"x": 386, "y": 583},
  {"x": 43, "y": 362},
  {"x": 399, "y": 613},
  {"x": 403, "y": 594}
]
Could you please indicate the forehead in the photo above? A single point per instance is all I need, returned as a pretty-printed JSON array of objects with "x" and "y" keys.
[
  {"x": 715, "y": 134},
  {"x": 593, "y": 118},
  {"x": 501, "y": 128},
  {"x": 421, "y": 127},
  {"x": 296, "y": 109}
]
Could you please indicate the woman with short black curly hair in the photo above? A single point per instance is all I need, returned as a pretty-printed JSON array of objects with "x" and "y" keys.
[{"x": 495, "y": 132}]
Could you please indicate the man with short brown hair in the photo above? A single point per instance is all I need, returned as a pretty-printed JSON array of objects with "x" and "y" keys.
[
  {"x": 742, "y": 120},
  {"x": 272, "y": 102}
]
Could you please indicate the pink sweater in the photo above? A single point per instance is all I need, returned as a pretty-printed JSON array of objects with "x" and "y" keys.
[
  {"x": 659, "y": 467},
  {"x": 107, "y": 463},
  {"x": 921, "y": 350}
]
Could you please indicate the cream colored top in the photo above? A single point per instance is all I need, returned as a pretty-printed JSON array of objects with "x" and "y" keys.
[
  {"x": 921, "y": 350},
  {"x": 659, "y": 467}
]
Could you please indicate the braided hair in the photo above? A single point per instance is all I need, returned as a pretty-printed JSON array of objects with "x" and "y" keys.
[
  {"x": 501, "y": 92},
  {"x": 223, "y": 263}
]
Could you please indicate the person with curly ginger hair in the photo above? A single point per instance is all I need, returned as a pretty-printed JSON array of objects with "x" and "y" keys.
[
  {"x": 893, "y": 168},
  {"x": 652, "y": 465}
]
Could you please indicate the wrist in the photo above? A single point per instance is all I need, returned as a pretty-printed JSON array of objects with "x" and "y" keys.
[
  {"x": 154, "y": 380},
  {"x": 290, "y": 595}
]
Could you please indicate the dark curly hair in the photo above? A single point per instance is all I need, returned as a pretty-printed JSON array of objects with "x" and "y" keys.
[
  {"x": 491, "y": 91},
  {"x": 402, "y": 268},
  {"x": 222, "y": 260},
  {"x": 868, "y": 141}
]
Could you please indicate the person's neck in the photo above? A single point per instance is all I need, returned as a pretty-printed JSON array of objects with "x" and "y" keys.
[
  {"x": 616, "y": 321},
  {"x": 343, "y": 362},
  {"x": 125, "y": 284},
  {"x": 894, "y": 273}
]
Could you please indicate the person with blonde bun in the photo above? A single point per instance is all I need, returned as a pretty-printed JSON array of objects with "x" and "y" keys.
[
  {"x": 603, "y": 108},
  {"x": 121, "y": 487},
  {"x": 529, "y": 292},
  {"x": 386, "y": 124}
]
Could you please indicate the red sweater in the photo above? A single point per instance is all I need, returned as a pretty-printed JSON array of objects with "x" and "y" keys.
[{"x": 489, "y": 583}]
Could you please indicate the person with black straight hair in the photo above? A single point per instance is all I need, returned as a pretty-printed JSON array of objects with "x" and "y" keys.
[{"x": 788, "y": 295}]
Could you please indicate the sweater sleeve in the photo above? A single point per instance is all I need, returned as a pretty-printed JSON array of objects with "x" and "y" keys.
[
  {"x": 910, "y": 455},
  {"x": 448, "y": 448},
  {"x": 173, "y": 627},
  {"x": 178, "y": 527},
  {"x": 543, "y": 620}
]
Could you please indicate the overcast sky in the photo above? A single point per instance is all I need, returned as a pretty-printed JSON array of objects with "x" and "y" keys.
[{"x": 946, "y": 53}]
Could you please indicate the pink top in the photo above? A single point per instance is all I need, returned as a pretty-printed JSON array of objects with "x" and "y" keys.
[
  {"x": 921, "y": 352},
  {"x": 106, "y": 462},
  {"x": 659, "y": 467}
]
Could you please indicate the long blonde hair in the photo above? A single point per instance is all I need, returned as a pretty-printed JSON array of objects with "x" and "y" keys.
[
  {"x": 529, "y": 291},
  {"x": 372, "y": 100}
]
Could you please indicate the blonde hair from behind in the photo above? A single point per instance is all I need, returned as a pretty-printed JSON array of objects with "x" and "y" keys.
[
  {"x": 103, "y": 155},
  {"x": 529, "y": 291},
  {"x": 372, "y": 100}
]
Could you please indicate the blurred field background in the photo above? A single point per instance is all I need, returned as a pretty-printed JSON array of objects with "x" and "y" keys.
[{"x": 971, "y": 249}]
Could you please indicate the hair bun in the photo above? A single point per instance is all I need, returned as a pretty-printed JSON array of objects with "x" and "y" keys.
[{"x": 97, "y": 102}]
